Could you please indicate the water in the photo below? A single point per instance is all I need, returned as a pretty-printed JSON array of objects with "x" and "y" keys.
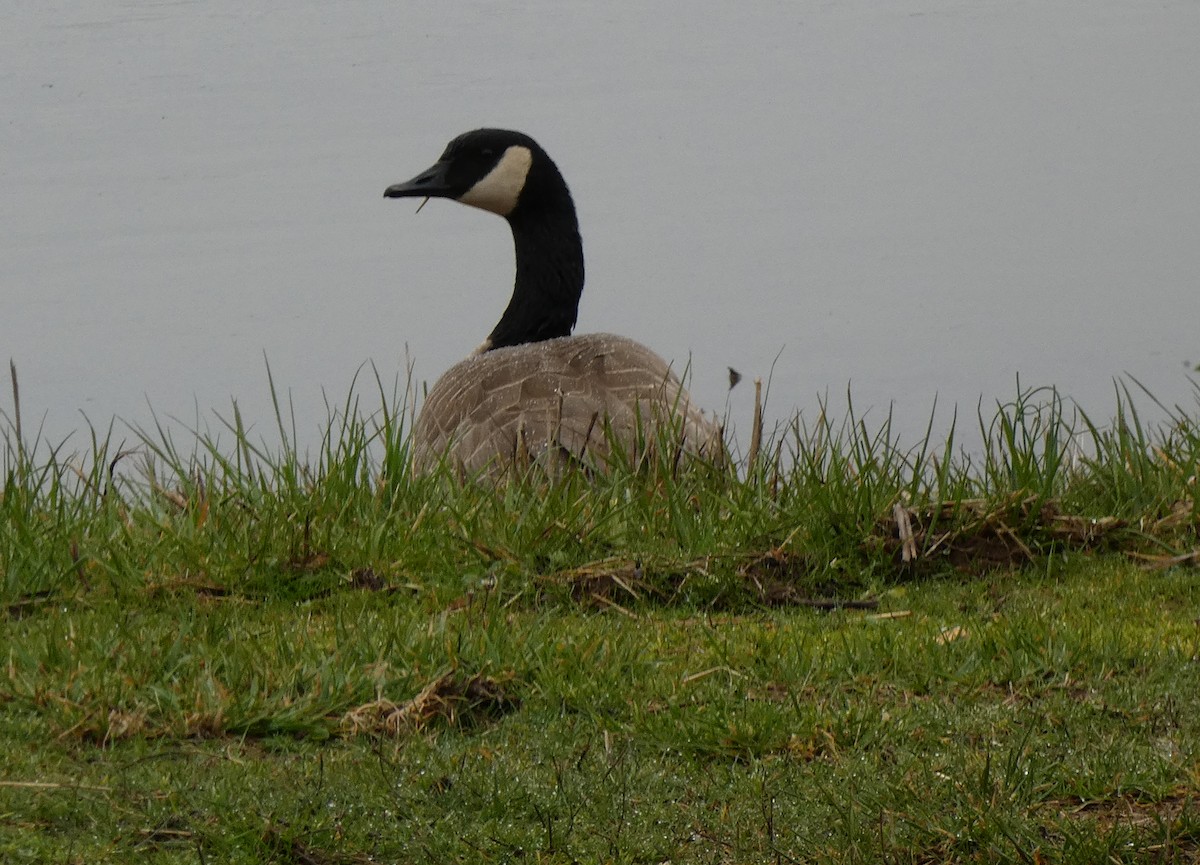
[{"x": 918, "y": 198}]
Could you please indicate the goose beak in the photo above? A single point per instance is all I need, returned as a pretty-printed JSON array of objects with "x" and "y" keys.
[{"x": 433, "y": 182}]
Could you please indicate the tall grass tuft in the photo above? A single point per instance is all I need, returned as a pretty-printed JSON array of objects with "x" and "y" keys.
[{"x": 233, "y": 513}]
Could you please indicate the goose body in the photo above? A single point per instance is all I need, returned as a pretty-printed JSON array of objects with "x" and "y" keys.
[{"x": 532, "y": 391}]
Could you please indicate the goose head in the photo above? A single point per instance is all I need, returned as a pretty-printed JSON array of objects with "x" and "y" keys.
[
  {"x": 486, "y": 168},
  {"x": 509, "y": 174}
]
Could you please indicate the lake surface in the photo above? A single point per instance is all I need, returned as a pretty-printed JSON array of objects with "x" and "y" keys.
[{"x": 912, "y": 198}]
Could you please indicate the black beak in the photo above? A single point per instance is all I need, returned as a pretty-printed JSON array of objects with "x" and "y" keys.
[{"x": 433, "y": 182}]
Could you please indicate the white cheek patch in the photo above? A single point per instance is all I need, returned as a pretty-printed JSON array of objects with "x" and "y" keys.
[{"x": 500, "y": 188}]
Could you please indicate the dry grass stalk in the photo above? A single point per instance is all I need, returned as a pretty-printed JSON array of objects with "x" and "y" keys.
[
  {"x": 908, "y": 544},
  {"x": 756, "y": 430},
  {"x": 1161, "y": 563},
  {"x": 451, "y": 697}
]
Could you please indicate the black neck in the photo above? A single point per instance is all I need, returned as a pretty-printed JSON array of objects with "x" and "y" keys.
[{"x": 549, "y": 281}]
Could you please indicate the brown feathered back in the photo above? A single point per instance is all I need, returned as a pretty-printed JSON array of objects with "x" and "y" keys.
[{"x": 556, "y": 398}]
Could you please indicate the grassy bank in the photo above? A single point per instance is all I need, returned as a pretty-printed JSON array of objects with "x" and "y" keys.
[{"x": 845, "y": 651}]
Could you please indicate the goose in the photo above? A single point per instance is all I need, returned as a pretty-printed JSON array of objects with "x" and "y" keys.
[{"x": 532, "y": 391}]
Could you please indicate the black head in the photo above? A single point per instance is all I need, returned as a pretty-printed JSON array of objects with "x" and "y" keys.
[
  {"x": 485, "y": 168},
  {"x": 509, "y": 174}
]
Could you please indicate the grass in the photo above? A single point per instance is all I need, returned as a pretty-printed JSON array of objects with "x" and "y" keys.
[{"x": 839, "y": 651}]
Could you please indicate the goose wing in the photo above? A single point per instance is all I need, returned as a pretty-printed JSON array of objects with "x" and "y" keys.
[{"x": 575, "y": 395}]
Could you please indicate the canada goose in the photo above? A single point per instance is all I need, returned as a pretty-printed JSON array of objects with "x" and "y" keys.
[{"x": 532, "y": 390}]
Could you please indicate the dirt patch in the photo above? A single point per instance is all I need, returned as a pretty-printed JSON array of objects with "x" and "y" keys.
[
  {"x": 366, "y": 579},
  {"x": 285, "y": 847},
  {"x": 1127, "y": 809},
  {"x": 975, "y": 536},
  {"x": 779, "y": 579},
  {"x": 27, "y": 605},
  {"x": 774, "y": 578},
  {"x": 607, "y": 580},
  {"x": 1170, "y": 821}
]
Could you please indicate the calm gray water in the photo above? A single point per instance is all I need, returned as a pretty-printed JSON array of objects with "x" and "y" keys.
[{"x": 918, "y": 198}]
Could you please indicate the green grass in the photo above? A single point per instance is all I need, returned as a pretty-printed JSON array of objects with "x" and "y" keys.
[{"x": 230, "y": 651}]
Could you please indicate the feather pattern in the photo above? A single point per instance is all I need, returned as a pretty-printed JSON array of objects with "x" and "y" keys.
[{"x": 569, "y": 397}]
